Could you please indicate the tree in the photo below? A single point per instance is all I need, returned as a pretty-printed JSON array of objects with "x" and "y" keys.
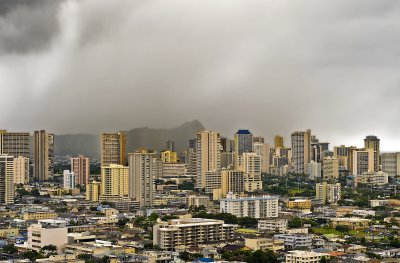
[
  {"x": 10, "y": 249},
  {"x": 342, "y": 228},
  {"x": 323, "y": 260},
  {"x": 122, "y": 222},
  {"x": 261, "y": 256},
  {"x": 32, "y": 255},
  {"x": 49, "y": 250},
  {"x": 248, "y": 222}
]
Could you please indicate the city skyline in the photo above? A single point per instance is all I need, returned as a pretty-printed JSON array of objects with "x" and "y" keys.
[{"x": 271, "y": 67}]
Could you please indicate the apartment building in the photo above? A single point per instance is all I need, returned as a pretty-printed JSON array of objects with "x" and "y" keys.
[
  {"x": 264, "y": 244},
  {"x": 293, "y": 241},
  {"x": 300, "y": 256},
  {"x": 279, "y": 225},
  {"x": 255, "y": 206},
  {"x": 48, "y": 232}
]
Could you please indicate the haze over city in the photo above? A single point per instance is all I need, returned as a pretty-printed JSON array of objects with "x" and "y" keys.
[{"x": 269, "y": 66}]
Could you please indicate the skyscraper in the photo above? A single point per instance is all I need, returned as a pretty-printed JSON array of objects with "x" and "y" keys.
[
  {"x": 81, "y": 167},
  {"x": 362, "y": 161},
  {"x": 114, "y": 182},
  {"x": 251, "y": 166},
  {"x": 243, "y": 143},
  {"x": 208, "y": 155},
  {"x": 301, "y": 143},
  {"x": 69, "y": 180},
  {"x": 6, "y": 179},
  {"x": 263, "y": 150},
  {"x": 170, "y": 146},
  {"x": 372, "y": 142},
  {"x": 278, "y": 141},
  {"x": 113, "y": 148},
  {"x": 21, "y": 170},
  {"x": 15, "y": 143},
  {"x": 142, "y": 168},
  {"x": 43, "y": 155}
]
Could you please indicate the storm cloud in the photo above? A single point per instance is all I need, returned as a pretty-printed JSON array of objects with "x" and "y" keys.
[{"x": 270, "y": 66}]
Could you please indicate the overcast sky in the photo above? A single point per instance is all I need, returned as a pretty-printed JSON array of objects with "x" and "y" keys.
[{"x": 270, "y": 66}]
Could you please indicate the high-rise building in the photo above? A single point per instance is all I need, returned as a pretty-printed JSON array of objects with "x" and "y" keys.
[
  {"x": 263, "y": 150},
  {"x": 227, "y": 159},
  {"x": 258, "y": 139},
  {"x": 328, "y": 193},
  {"x": 43, "y": 155},
  {"x": 6, "y": 179},
  {"x": 313, "y": 170},
  {"x": 170, "y": 146},
  {"x": 69, "y": 180},
  {"x": 21, "y": 170},
  {"x": 169, "y": 157},
  {"x": 251, "y": 166},
  {"x": 208, "y": 155},
  {"x": 142, "y": 176},
  {"x": 363, "y": 161},
  {"x": 15, "y": 143},
  {"x": 81, "y": 167},
  {"x": 243, "y": 143},
  {"x": 93, "y": 191},
  {"x": 301, "y": 143},
  {"x": 114, "y": 182},
  {"x": 330, "y": 168},
  {"x": 213, "y": 181},
  {"x": 372, "y": 142},
  {"x": 113, "y": 148},
  {"x": 278, "y": 141},
  {"x": 391, "y": 163},
  {"x": 232, "y": 181}
]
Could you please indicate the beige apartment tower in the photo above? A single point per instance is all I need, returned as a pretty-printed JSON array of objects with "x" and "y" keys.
[
  {"x": 15, "y": 143},
  {"x": 81, "y": 167},
  {"x": 208, "y": 155},
  {"x": 21, "y": 170},
  {"x": 372, "y": 142},
  {"x": 142, "y": 169},
  {"x": 114, "y": 182},
  {"x": 43, "y": 155},
  {"x": 113, "y": 148},
  {"x": 93, "y": 191},
  {"x": 6, "y": 179},
  {"x": 301, "y": 144}
]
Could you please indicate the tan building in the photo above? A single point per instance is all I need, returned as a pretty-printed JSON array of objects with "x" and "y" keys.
[
  {"x": 114, "y": 182},
  {"x": 330, "y": 168},
  {"x": 213, "y": 181},
  {"x": 113, "y": 148},
  {"x": 278, "y": 141},
  {"x": 391, "y": 163},
  {"x": 9, "y": 232},
  {"x": 251, "y": 166},
  {"x": 39, "y": 215},
  {"x": 362, "y": 161},
  {"x": 80, "y": 166},
  {"x": 198, "y": 200},
  {"x": 301, "y": 146},
  {"x": 328, "y": 193},
  {"x": 372, "y": 142},
  {"x": 43, "y": 155},
  {"x": 302, "y": 204},
  {"x": 300, "y": 256},
  {"x": 208, "y": 155},
  {"x": 232, "y": 181},
  {"x": 21, "y": 170},
  {"x": 265, "y": 243},
  {"x": 142, "y": 169},
  {"x": 15, "y": 143},
  {"x": 169, "y": 157},
  {"x": 93, "y": 191},
  {"x": 47, "y": 232},
  {"x": 6, "y": 179},
  {"x": 352, "y": 222},
  {"x": 262, "y": 149},
  {"x": 190, "y": 232}
]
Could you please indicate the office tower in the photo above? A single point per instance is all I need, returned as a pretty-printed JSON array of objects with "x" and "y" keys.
[
  {"x": 21, "y": 170},
  {"x": 391, "y": 163},
  {"x": 213, "y": 181},
  {"x": 313, "y": 170},
  {"x": 363, "y": 161},
  {"x": 278, "y": 141},
  {"x": 170, "y": 146},
  {"x": 243, "y": 143},
  {"x": 113, "y": 148},
  {"x": 208, "y": 155},
  {"x": 225, "y": 144},
  {"x": 15, "y": 143},
  {"x": 254, "y": 206},
  {"x": 372, "y": 142},
  {"x": 301, "y": 143},
  {"x": 227, "y": 159},
  {"x": 43, "y": 155},
  {"x": 258, "y": 139},
  {"x": 263, "y": 150},
  {"x": 251, "y": 166},
  {"x": 328, "y": 193},
  {"x": 69, "y": 180},
  {"x": 141, "y": 177},
  {"x": 6, "y": 179},
  {"x": 81, "y": 167},
  {"x": 93, "y": 191},
  {"x": 169, "y": 157},
  {"x": 114, "y": 182},
  {"x": 330, "y": 168}
]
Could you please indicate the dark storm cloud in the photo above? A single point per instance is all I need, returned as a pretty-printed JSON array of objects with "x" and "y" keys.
[
  {"x": 27, "y": 25},
  {"x": 270, "y": 66}
]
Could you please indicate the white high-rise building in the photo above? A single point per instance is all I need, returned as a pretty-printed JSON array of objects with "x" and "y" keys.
[
  {"x": 69, "y": 180},
  {"x": 391, "y": 163},
  {"x": 251, "y": 166},
  {"x": 313, "y": 170},
  {"x": 255, "y": 206},
  {"x": 262, "y": 149},
  {"x": 208, "y": 155},
  {"x": 142, "y": 169}
]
